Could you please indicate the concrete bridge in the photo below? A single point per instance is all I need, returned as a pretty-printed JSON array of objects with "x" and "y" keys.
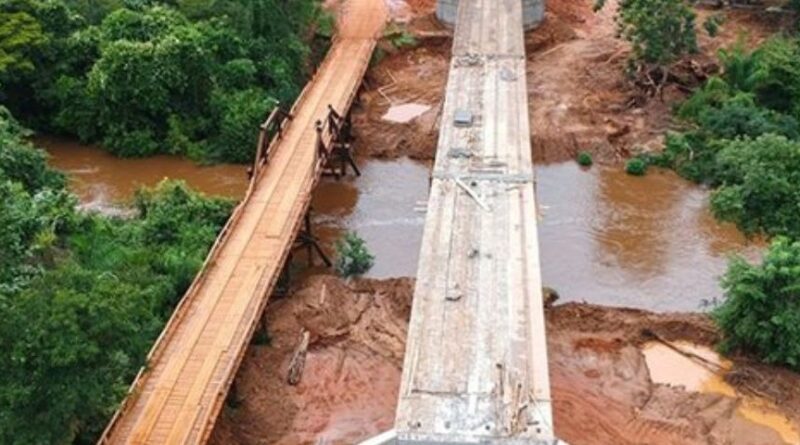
[{"x": 476, "y": 367}]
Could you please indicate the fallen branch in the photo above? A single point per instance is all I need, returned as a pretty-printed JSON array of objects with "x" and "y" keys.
[{"x": 298, "y": 361}]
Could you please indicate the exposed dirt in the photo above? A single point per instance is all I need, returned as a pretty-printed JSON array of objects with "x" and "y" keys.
[
  {"x": 417, "y": 76},
  {"x": 603, "y": 392},
  {"x": 348, "y": 390},
  {"x": 601, "y": 384},
  {"x": 580, "y": 99}
]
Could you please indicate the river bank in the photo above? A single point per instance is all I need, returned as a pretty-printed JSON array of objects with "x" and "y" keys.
[{"x": 606, "y": 388}]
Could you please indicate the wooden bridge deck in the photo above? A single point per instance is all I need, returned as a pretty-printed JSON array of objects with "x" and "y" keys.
[
  {"x": 177, "y": 398},
  {"x": 476, "y": 361}
]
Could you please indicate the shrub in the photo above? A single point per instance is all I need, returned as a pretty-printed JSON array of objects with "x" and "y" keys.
[
  {"x": 636, "y": 167},
  {"x": 761, "y": 312},
  {"x": 352, "y": 256},
  {"x": 585, "y": 159},
  {"x": 659, "y": 31},
  {"x": 237, "y": 117},
  {"x": 760, "y": 185}
]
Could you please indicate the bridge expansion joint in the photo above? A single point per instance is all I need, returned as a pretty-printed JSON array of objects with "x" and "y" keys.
[
  {"x": 477, "y": 60},
  {"x": 503, "y": 178}
]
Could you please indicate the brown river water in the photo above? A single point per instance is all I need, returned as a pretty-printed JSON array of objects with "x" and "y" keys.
[{"x": 606, "y": 237}]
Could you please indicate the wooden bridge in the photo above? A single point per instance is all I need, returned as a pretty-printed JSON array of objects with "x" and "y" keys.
[{"x": 177, "y": 397}]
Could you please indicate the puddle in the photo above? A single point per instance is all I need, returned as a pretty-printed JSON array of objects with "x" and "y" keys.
[
  {"x": 405, "y": 113},
  {"x": 704, "y": 372}
]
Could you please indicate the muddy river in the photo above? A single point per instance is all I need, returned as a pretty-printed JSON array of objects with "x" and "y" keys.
[
  {"x": 648, "y": 242},
  {"x": 606, "y": 237},
  {"x": 103, "y": 181}
]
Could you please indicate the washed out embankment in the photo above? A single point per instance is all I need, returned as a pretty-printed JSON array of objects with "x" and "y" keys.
[
  {"x": 603, "y": 384},
  {"x": 349, "y": 385}
]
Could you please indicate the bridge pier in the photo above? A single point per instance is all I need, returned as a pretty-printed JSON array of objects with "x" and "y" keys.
[
  {"x": 532, "y": 12},
  {"x": 307, "y": 240},
  {"x": 337, "y": 155}
]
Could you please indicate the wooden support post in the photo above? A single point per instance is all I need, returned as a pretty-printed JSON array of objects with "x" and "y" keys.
[
  {"x": 347, "y": 129},
  {"x": 310, "y": 241},
  {"x": 350, "y": 159},
  {"x": 322, "y": 151},
  {"x": 307, "y": 240},
  {"x": 285, "y": 278}
]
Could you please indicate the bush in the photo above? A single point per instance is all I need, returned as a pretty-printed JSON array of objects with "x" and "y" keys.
[
  {"x": 237, "y": 118},
  {"x": 585, "y": 159},
  {"x": 83, "y": 296},
  {"x": 761, "y": 312},
  {"x": 660, "y": 31},
  {"x": 352, "y": 256},
  {"x": 636, "y": 167},
  {"x": 760, "y": 185}
]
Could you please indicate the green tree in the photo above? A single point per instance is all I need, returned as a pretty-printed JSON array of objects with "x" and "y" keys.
[
  {"x": 19, "y": 35},
  {"x": 759, "y": 185},
  {"x": 146, "y": 76},
  {"x": 352, "y": 256},
  {"x": 761, "y": 312},
  {"x": 660, "y": 31},
  {"x": 83, "y": 296}
]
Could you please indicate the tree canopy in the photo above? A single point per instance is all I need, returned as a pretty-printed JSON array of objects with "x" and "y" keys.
[
  {"x": 761, "y": 314},
  {"x": 192, "y": 77},
  {"x": 83, "y": 296}
]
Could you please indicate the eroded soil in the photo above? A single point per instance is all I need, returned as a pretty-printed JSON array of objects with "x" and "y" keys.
[
  {"x": 349, "y": 385},
  {"x": 601, "y": 386},
  {"x": 580, "y": 98}
]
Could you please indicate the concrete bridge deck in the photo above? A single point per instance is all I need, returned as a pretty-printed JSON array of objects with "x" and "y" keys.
[
  {"x": 177, "y": 398},
  {"x": 476, "y": 360}
]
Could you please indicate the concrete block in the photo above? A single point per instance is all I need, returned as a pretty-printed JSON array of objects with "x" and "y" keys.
[{"x": 532, "y": 12}]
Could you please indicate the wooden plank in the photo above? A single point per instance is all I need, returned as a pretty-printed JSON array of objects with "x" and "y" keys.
[{"x": 194, "y": 360}]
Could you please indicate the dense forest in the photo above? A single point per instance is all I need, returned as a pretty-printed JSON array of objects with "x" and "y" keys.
[
  {"x": 190, "y": 77},
  {"x": 82, "y": 295}
]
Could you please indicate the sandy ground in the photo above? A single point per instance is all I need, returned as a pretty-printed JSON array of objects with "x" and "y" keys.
[
  {"x": 580, "y": 99},
  {"x": 601, "y": 385}
]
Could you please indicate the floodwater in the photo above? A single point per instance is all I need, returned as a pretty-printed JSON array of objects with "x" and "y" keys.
[
  {"x": 699, "y": 369},
  {"x": 606, "y": 237},
  {"x": 647, "y": 242},
  {"x": 104, "y": 182},
  {"x": 385, "y": 206}
]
